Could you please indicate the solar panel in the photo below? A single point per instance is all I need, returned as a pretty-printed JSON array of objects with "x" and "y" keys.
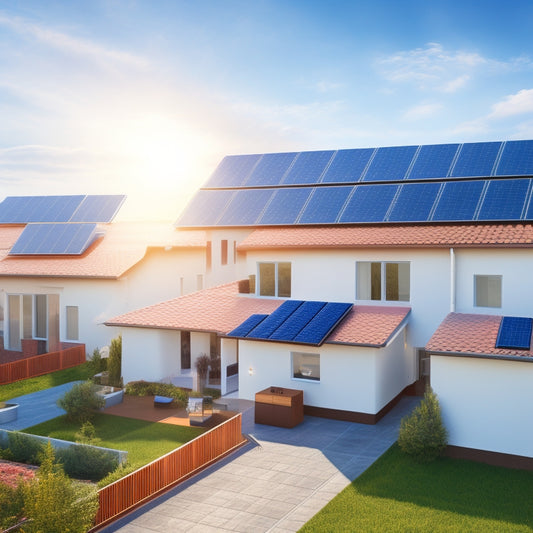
[
  {"x": 248, "y": 325},
  {"x": 414, "y": 203},
  {"x": 54, "y": 239},
  {"x": 433, "y": 161},
  {"x": 233, "y": 171},
  {"x": 266, "y": 328},
  {"x": 390, "y": 163},
  {"x": 205, "y": 208},
  {"x": 476, "y": 159},
  {"x": 285, "y": 206},
  {"x": 325, "y": 205},
  {"x": 504, "y": 200},
  {"x": 323, "y": 323},
  {"x": 270, "y": 169},
  {"x": 514, "y": 333},
  {"x": 516, "y": 159},
  {"x": 348, "y": 165},
  {"x": 245, "y": 207},
  {"x": 369, "y": 203},
  {"x": 100, "y": 208},
  {"x": 458, "y": 201},
  {"x": 308, "y": 167},
  {"x": 297, "y": 321},
  {"x": 26, "y": 209}
]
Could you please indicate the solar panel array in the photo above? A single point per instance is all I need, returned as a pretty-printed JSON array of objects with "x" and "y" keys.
[
  {"x": 489, "y": 181},
  {"x": 514, "y": 333},
  {"x": 294, "y": 321}
]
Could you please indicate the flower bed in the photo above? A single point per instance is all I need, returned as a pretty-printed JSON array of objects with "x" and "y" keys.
[{"x": 11, "y": 474}]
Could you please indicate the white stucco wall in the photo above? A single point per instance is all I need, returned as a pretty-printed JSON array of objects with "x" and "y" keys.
[{"x": 486, "y": 403}]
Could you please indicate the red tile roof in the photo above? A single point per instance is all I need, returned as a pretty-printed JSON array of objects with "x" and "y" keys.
[
  {"x": 124, "y": 245},
  {"x": 221, "y": 309},
  {"x": 457, "y": 235},
  {"x": 461, "y": 333}
]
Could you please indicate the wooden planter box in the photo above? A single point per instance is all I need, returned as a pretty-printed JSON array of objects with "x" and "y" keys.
[{"x": 281, "y": 407}]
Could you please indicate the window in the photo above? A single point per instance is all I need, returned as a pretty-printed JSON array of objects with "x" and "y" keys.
[
  {"x": 274, "y": 279},
  {"x": 234, "y": 252},
  {"x": 199, "y": 282},
  {"x": 72, "y": 323},
  {"x": 487, "y": 291},
  {"x": 306, "y": 366},
  {"x": 185, "y": 350},
  {"x": 224, "y": 252},
  {"x": 208, "y": 256},
  {"x": 383, "y": 281},
  {"x": 40, "y": 316}
]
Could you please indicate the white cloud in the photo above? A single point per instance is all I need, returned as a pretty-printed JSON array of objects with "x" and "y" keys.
[
  {"x": 513, "y": 104},
  {"x": 422, "y": 111}
]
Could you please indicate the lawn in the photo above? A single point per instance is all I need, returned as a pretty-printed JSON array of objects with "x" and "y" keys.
[
  {"x": 144, "y": 441},
  {"x": 397, "y": 494},
  {"x": 26, "y": 386}
]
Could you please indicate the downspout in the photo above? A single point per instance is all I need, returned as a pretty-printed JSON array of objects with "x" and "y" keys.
[{"x": 452, "y": 280}]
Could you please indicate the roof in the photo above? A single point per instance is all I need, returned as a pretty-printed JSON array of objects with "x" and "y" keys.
[
  {"x": 469, "y": 334},
  {"x": 123, "y": 246},
  {"x": 460, "y": 235},
  {"x": 221, "y": 309}
]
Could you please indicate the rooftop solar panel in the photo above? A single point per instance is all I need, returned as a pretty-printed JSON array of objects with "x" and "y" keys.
[
  {"x": 476, "y": 159},
  {"x": 233, "y": 171},
  {"x": 267, "y": 327},
  {"x": 390, "y": 163},
  {"x": 308, "y": 167},
  {"x": 368, "y": 203},
  {"x": 205, "y": 208},
  {"x": 514, "y": 333},
  {"x": 516, "y": 159},
  {"x": 285, "y": 206},
  {"x": 245, "y": 207},
  {"x": 98, "y": 208},
  {"x": 458, "y": 201},
  {"x": 297, "y": 321},
  {"x": 270, "y": 169},
  {"x": 323, "y": 323},
  {"x": 348, "y": 165},
  {"x": 248, "y": 325},
  {"x": 504, "y": 199},
  {"x": 325, "y": 205},
  {"x": 414, "y": 203},
  {"x": 433, "y": 161}
]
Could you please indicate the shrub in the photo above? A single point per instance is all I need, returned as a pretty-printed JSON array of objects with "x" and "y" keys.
[
  {"x": 81, "y": 401},
  {"x": 87, "y": 434},
  {"x": 11, "y": 505},
  {"x": 25, "y": 448},
  {"x": 202, "y": 365},
  {"x": 422, "y": 433},
  {"x": 85, "y": 462},
  {"x": 120, "y": 472},
  {"x": 150, "y": 388},
  {"x": 114, "y": 362},
  {"x": 97, "y": 362}
]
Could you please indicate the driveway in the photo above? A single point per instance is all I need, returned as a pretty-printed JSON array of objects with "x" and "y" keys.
[{"x": 276, "y": 483}]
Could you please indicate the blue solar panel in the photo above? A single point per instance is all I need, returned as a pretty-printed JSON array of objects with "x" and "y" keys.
[
  {"x": 285, "y": 206},
  {"x": 26, "y": 209},
  {"x": 101, "y": 208},
  {"x": 476, "y": 159},
  {"x": 516, "y": 159},
  {"x": 369, "y": 203},
  {"x": 433, "y": 161},
  {"x": 390, "y": 163},
  {"x": 248, "y": 325},
  {"x": 270, "y": 169},
  {"x": 245, "y": 207},
  {"x": 325, "y": 205},
  {"x": 205, "y": 208},
  {"x": 308, "y": 167},
  {"x": 504, "y": 200},
  {"x": 323, "y": 323},
  {"x": 414, "y": 203},
  {"x": 514, "y": 333},
  {"x": 458, "y": 200},
  {"x": 266, "y": 328},
  {"x": 54, "y": 239},
  {"x": 348, "y": 165},
  {"x": 233, "y": 171},
  {"x": 297, "y": 321}
]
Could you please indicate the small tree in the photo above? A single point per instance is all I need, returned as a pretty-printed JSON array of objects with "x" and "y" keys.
[
  {"x": 114, "y": 362},
  {"x": 422, "y": 433},
  {"x": 81, "y": 401},
  {"x": 54, "y": 503},
  {"x": 202, "y": 367}
]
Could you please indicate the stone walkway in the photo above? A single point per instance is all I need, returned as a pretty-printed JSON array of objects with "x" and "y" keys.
[{"x": 276, "y": 483}]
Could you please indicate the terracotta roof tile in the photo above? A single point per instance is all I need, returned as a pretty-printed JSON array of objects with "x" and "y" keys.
[
  {"x": 457, "y": 235},
  {"x": 462, "y": 333}
]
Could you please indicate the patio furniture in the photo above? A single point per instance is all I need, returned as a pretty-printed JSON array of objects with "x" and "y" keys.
[
  {"x": 163, "y": 401},
  {"x": 277, "y": 406}
]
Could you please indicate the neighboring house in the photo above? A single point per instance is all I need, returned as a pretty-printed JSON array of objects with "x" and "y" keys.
[
  {"x": 59, "y": 284},
  {"x": 412, "y": 232}
]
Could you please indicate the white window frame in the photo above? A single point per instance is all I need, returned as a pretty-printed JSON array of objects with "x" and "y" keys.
[
  {"x": 309, "y": 367},
  {"x": 276, "y": 279},
  {"x": 383, "y": 274},
  {"x": 489, "y": 278}
]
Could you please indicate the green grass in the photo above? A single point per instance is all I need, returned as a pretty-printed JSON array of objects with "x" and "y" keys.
[
  {"x": 26, "y": 386},
  {"x": 396, "y": 494},
  {"x": 144, "y": 441}
]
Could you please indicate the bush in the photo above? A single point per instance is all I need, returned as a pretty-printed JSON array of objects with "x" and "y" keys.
[
  {"x": 114, "y": 362},
  {"x": 24, "y": 448},
  {"x": 81, "y": 401},
  {"x": 120, "y": 472},
  {"x": 97, "y": 362},
  {"x": 422, "y": 433},
  {"x": 87, "y": 434},
  {"x": 150, "y": 388},
  {"x": 85, "y": 462},
  {"x": 11, "y": 505}
]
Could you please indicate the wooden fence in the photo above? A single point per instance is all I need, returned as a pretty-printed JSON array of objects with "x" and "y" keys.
[
  {"x": 42, "y": 364},
  {"x": 143, "y": 484}
]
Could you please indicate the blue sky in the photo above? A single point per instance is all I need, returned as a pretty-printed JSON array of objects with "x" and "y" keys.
[{"x": 145, "y": 97}]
